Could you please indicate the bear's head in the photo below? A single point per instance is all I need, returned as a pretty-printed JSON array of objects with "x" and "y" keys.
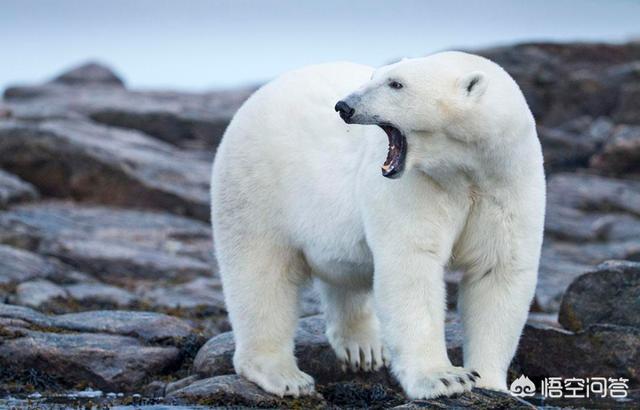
[{"x": 447, "y": 112}]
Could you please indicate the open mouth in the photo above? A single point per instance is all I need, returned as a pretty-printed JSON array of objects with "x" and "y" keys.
[{"x": 394, "y": 164}]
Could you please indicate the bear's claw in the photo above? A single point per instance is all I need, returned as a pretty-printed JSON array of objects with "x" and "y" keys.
[{"x": 443, "y": 381}]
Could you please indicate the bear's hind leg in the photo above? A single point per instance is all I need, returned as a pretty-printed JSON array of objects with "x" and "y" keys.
[
  {"x": 261, "y": 288},
  {"x": 353, "y": 329}
]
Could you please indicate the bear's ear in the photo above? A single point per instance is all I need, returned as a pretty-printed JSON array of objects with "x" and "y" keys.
[{"x": 473, "y": 84}]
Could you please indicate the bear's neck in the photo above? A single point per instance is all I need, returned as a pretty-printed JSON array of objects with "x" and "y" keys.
[{"x": 508, "y": 164}]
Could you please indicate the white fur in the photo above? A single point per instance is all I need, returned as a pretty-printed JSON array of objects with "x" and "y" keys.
[{"x": 298, "y": 194}]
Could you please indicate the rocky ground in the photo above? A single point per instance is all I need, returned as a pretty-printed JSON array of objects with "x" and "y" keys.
[{"x": 108, "y": 287}]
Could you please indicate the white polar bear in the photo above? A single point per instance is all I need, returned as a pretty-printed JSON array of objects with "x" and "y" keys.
[{"x": 297, "y": 194}]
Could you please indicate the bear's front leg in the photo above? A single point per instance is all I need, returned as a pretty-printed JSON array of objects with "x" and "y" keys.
[
  {"x": 410, "y": 299},
  {"x": 494, "y": 308}
]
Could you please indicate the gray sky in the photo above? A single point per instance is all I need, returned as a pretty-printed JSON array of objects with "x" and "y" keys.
[{"x": 196, "y": 44}]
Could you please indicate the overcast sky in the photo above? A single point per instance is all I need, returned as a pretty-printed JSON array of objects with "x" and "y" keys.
[{"x": 196, "y": 45}]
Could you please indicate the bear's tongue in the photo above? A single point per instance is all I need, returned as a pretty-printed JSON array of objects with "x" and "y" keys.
[{"x": 394, "y": 164}]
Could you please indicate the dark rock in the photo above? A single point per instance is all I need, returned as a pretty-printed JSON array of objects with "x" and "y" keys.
[
  {"x": 13, "y": 189},
  {"x": 621, "y": 154},
  {"x": 114, "y": 350},
  {"x": 597, "y": 351},
  {"x": 104, "y": 361},
  {"x": 116, "y": 245},
  {"x": 609, "y": 294},
  {"x": 88, "y": 162},
  {"x": 228, "y": 390},
  {"x": 89, "y": 74}
]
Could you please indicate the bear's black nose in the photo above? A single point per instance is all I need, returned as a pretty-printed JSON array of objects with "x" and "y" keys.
[{"x": 345, "y": 110}]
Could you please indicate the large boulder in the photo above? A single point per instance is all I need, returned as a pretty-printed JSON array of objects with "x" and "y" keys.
[
  {"x": 94, "y": 163},
  {"x": 609, "y": 294},
  {"x": 597, "y": 351},
  {"x": 111, "y": 350},
  {"x": 104, "y": 361}
]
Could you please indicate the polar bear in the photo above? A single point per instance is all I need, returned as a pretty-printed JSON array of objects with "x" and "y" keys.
[{"x": 297, "y": 193}]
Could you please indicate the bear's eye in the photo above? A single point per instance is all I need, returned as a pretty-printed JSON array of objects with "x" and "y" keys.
[{"x": 395, "y": 85}]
